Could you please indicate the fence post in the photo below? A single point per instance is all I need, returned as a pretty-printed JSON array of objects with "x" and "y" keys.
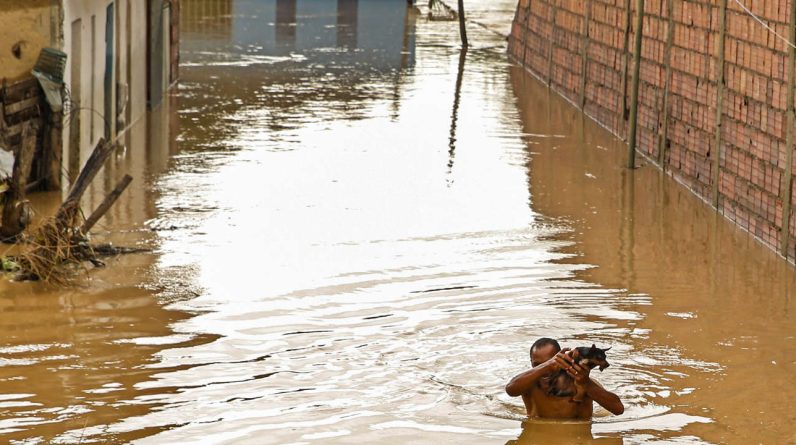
[
  {"x": 787, "y": 180},
  {"x": 462, "y": 28},
  {"x": 719, "y": 101},
  {"x": 631, "y": 145},
  {"x": 625, "y": 55},
  {"x": 585, "y": 55},
  {"x": 554, "y": 8},
  {"x": 667, "y": 57},
  {"x": 525, "y": 32}
]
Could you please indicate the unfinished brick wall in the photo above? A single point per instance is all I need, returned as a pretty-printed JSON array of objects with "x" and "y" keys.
[{"x": 680, "y": 92}]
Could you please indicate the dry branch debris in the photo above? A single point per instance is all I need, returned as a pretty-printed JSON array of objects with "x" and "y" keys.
[{"x": 57, "y": 249}]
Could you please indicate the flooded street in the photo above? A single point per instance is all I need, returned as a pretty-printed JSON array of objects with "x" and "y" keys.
[{"x": 357, "y": 233}]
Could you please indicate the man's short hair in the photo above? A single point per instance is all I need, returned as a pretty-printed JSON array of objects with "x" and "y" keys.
[{"x": 544, "y": 341}]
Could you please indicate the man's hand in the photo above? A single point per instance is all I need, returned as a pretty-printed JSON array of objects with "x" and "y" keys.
[
  {"x": 562, "y": 360},
  {"x": 524, "y": 382},
  {"x": 579, "y": 373}
]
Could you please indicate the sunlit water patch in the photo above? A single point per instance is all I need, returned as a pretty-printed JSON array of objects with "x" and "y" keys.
[
  {"x": 368, "y": 255},
  {"x": 353, "y": 246}
]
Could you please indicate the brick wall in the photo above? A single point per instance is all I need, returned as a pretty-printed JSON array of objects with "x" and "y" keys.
[{"x": 560, "y": 40}]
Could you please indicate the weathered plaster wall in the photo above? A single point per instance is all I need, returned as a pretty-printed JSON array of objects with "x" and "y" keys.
[
  {"x": 583, "y": 50},
  {"x": 78, "y": 27},
  {"x": 25, "y": 28},
  {"x": 129, "y": 67},
  {"x": 137, "y": 57}
]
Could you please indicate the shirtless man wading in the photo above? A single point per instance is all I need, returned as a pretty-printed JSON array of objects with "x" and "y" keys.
[{"x": 547, "y": 358}]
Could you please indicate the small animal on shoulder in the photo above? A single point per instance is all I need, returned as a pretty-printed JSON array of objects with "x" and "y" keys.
[{"x": 561, "y": 384}]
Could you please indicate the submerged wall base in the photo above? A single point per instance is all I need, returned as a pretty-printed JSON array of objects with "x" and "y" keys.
[{"x": 726, "y": 141}]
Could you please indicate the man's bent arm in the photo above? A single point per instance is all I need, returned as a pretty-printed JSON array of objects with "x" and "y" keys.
[
  {"x": 605, "y": 398},
  {"x": 523, "y": 383}
]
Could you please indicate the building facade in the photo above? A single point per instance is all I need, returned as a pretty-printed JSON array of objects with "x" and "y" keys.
[{"x": 121, "y": 58}]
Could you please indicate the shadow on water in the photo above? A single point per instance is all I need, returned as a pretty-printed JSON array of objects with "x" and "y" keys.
[{"x": 538, "y": 432}]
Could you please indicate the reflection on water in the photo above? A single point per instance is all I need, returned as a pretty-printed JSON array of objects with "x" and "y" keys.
[
  {"x": 359, "y": 230},
  {"x": 455, "y": 113},
  {"x": 540, "y": 432},
  {"x": 715, "y": 294}
]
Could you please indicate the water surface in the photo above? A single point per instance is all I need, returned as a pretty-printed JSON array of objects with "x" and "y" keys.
[{"x": 358, "y": 231}]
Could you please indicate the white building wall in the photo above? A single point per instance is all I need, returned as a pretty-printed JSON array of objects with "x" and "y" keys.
[
  {"x": 130, "y": 85},
  {"x": 91, "y": 14},
  {"x": 138, "y": 82}
]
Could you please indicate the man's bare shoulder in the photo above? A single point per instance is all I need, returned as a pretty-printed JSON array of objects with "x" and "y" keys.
[{"x": 597, "y": 383}]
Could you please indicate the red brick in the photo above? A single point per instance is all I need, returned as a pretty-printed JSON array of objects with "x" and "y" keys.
[{"x": 753, "y": 117}]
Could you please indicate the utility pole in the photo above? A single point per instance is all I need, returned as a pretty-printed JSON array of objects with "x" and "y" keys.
[{"x": 462, "y": 29}]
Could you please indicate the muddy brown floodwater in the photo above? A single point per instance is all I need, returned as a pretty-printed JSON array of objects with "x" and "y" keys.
[{"x": 358, "y": 231}]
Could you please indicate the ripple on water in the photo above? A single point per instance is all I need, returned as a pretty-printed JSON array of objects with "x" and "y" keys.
[{"x": 394, "y": 273}]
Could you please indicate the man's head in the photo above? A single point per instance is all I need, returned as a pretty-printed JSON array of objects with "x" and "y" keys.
[{"x": 543, "y": 350}]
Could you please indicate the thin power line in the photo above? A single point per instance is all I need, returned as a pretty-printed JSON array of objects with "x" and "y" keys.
[{"x": 765, "y": 25}]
